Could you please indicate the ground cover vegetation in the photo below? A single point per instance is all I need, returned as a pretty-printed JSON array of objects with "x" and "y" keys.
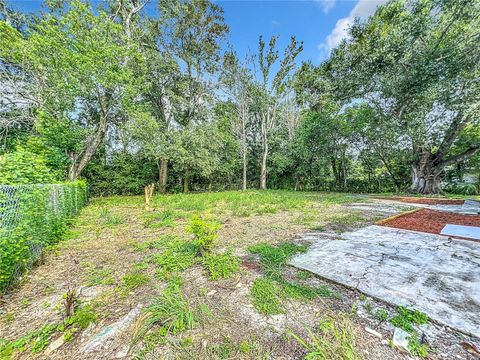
[
  {"x": 218, "y": 266},
  {"x": 155, "y": 98}
]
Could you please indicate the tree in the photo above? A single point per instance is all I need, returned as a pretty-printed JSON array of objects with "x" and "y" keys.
[
  {"x": 239, "y": 85},
  {"x": 270, "y": 90},
  {"x": 76, "y": 61},
  {"x": 182, "y": 52},
  {"x": 417, "y": 63}
]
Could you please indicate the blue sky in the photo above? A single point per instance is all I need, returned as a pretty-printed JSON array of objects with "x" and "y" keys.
[{"x": 320, "y": 24}]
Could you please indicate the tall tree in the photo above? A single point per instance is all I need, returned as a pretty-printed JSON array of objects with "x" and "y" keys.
[
  {"x": 275, "y": 75},
  {"x": 418, "y": 64},
  {"x": 238, "y": 81},
  {"x": 76, "y": 59},
  {"x": 183, "y": 55}
]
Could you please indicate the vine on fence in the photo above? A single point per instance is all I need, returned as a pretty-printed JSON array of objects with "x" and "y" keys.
[{"x": 31, "y": 218}]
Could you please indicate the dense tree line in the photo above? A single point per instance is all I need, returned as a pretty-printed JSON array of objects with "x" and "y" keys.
[{"x": 124, "y": 98}]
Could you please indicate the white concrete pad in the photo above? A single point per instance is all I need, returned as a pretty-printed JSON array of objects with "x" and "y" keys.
[
  {"x": 434, "y": 274},
  {"x": 470, "y": 232}
]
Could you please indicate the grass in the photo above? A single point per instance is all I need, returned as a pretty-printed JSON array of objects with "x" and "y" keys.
[
  {"x": 274, "y": 258},
  {"x": 186, "y": 237},
  {"x": 98, "y": 275},
  {"x": 221, "y": 266},
  {"x": 266, "y": 296},
  {"x": 334, "y": 339},
  {"x": 178, "y": 255},
  {"x": 170, "y": 312},
  {"x": 269, "y": 292}
]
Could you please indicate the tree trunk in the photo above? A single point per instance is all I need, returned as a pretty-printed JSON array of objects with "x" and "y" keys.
[
  {"x": 263, "y": 169},
  {"x": 244, "y": 158},
  {"x": 162, "y": 165},
  {"x": 426, "y": 178},
  {"x": 77, "y": 168},
  {"x": 185, "y": 180}
]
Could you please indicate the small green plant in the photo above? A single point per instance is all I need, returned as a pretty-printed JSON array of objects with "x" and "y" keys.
[
  {"x": 221, "y": 265},
  {"x": 303, "y": 275},
  {"x": 381, "y": 314},
  {"x": 204, "y": 232},
  {"x": 333, "y": 340},
  {"x": 109, "y": 218},
  {"x": 163, "y": 219},
  {"x": 169, "y": 311},
  {"x": 134, "y": 280},
  {"x": 274, "y": 258},
  {"x": 99, "y": 276},
  {"x": 177, "y": 256},
  {"x": 416, "y": 348},
  {"x": 266, "y": 296},
  {"x": 406, "y": 318},
  {"x": 368, "y": 307}
]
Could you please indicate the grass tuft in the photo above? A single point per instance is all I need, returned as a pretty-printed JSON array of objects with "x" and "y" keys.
[{"x": 221, "y": 265}]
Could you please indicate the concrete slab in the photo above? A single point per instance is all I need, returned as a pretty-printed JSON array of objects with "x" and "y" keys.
[
  {"x": 434, "y": 274},
  {"x": 470, "y": 232}
]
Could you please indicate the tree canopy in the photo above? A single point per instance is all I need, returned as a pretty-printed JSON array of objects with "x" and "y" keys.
[{"x": 98, "y": 92}]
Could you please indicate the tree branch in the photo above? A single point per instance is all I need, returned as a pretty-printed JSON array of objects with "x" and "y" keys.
[{"x": 472, "y": 150}]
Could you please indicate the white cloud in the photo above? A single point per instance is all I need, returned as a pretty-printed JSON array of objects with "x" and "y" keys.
[
  {"x": 326, "y": 5},
  {"x": 275, "y": 23},
  {"x": 362, "y": 10}
]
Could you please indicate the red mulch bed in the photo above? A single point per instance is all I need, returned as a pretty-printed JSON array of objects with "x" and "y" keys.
[
  {"x": 426, "y": 201},
  {"x": 431, "y": 221}
]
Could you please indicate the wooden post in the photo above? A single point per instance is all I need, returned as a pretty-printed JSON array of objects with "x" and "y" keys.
[{"x": 148, "y": 196}]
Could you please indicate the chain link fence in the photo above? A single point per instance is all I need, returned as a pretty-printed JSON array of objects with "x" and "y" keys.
[{"x": 31, "y": 218}]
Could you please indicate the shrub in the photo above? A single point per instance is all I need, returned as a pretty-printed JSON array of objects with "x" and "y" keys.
[
  {"x": 33, "y": 217},
  {"x": 205, "y": 233}
]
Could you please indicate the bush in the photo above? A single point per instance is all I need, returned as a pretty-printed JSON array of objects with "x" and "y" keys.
[
  {"x": 33, "y": 217},
  {"x": 205, "y": 233}
]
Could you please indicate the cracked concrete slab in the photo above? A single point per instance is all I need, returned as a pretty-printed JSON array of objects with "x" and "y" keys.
[{"x": 428, "y": 272}]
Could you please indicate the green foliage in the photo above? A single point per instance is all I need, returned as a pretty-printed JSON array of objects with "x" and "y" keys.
[
  {"x": 266, "y": 296},
  {"x": 381, "y": 314},
  {"x": 37, "y": 340},
  {"x": 177, "y": 255},
  {"x": 109, "y": 218},
  {"x": 170, "y": 311},
  {"x": 334, "y": 340},
  {"x": 463, "y": 189},
  {"x": 274, "y": 288},
  {"x": 35, "y": 217},
  {"x": 123, "y": 174},
  {"x": 134, "y": 280},
  {"x": 221, "y": 265},
  {"x": 274, "y": 258},
  {"x": 204, "y": 232},
  {"x": 406, "y": 318},
  {"x": 416, "y": 348},
  {"x": 24, "y": 167}
]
